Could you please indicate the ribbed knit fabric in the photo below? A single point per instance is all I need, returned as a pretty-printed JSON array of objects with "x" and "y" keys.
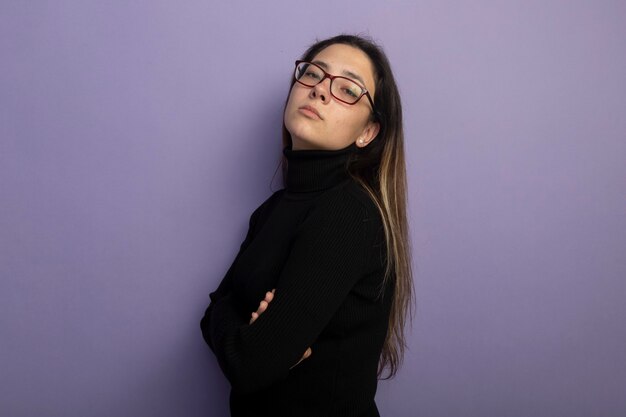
[{"x": 320, "y": 243}]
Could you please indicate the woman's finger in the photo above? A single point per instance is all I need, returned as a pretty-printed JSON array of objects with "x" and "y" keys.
[
  {"x": 308, "y": 352},
  {"x": 269, "y": 296},
  {"x": 254, "y": 317}
]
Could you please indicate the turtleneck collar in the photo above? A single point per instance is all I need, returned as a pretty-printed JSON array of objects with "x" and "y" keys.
[{"x": 311, "y": 170}]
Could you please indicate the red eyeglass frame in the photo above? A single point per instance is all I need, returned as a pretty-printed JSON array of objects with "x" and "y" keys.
[{"x": 331, "y": 78}]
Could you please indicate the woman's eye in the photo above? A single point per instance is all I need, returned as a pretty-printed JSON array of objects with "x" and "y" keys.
[
  {"x": 311, "y": 74},
  {"x": 350, "y": 92}
]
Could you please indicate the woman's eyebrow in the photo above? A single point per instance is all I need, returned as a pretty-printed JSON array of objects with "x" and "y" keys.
[
  {"x": 346, "y": 73},
  {"x": 355, "y": 76}
]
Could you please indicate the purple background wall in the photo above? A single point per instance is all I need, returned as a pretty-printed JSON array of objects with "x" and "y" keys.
[{"x": 135, "y": 142}]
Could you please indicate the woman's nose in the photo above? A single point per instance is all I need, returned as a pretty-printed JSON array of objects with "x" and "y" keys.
[{"x": 321, "y": 90}]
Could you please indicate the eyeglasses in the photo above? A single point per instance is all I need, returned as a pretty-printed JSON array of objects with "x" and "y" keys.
[{"x": 342, "y": 88}]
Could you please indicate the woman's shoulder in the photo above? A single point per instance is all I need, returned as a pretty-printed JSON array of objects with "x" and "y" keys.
[
  {"x": 348, "y": 212},
  {"x": 266, "y": 206},
  {"x": 350, "y": 199},
  {"x": 352, "y": 192}
]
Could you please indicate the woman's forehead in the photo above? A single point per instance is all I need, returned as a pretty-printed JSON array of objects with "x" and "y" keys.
[{"x": 346, "y": 60}]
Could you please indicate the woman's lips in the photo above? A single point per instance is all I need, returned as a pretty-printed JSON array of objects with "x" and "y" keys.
[{"x": 310, "y": 112}]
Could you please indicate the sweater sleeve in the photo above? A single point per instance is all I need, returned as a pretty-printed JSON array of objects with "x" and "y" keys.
[
  {"x": 326, "y": 260},
  {"x": 223, "y": 289}
]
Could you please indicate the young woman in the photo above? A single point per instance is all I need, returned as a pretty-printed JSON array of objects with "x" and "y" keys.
[{"x": 312, "y": 310}]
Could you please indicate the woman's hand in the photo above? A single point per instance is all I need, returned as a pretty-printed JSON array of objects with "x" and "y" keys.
[
  {"x": 307, "y": 353},
  {"x": 269, "y": 296}
]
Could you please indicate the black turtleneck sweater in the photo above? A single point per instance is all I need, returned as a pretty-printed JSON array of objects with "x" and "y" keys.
[{"x": 320, "y": 243}]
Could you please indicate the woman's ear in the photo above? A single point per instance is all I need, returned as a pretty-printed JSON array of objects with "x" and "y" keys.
[{"x": 369, "y": 134}]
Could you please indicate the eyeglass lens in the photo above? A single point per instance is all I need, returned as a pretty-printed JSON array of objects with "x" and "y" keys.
[{"x": 342, "y": 88}]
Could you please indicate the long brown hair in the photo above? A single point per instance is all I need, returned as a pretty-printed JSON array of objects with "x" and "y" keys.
[{"x": 380, "y": 168}]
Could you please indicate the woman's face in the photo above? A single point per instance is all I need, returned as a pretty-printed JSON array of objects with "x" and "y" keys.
[{"x": 316, "y": 120}]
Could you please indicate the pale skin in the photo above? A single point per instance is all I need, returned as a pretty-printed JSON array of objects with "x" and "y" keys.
[{"x": 316, "y": 120}]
